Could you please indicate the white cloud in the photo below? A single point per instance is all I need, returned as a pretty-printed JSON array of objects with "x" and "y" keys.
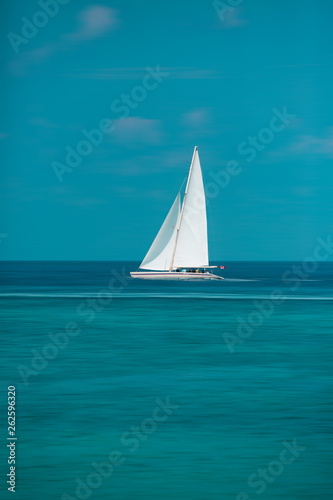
[
  {"x": 134, "y": 73},
  {"x": 233, "y": 19},
  {"x": 196, "y": 117},
  {"x": 93, "y": 22},
  {"x": 84, "y": 201},
  {"x": 313, "y": 145},
  {"x": 40, "y": 121},
  {"x": 197, "y": 124},
  {"x": 137, "y": 130}
]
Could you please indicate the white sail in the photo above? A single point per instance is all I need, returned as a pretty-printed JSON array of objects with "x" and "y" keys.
[
  {"x": 191, "y": 246},
  {"x": 162, "y": 249}
]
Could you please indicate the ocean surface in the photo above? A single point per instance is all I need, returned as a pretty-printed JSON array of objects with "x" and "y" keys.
[{"x": 130, "y": 389}]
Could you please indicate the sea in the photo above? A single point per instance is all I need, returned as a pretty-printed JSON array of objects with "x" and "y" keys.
[{"x": 130, "y": 389}]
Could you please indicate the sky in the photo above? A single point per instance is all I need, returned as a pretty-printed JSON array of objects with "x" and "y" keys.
[{"x": 250, "y": 85}]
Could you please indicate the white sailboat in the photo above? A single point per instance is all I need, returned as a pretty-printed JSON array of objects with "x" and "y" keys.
[{"x": 180, "y": 249}]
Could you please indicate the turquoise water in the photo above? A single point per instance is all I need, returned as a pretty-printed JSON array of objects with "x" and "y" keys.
[{"x": 161, "y": 380}]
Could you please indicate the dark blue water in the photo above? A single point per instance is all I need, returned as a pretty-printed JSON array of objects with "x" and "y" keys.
[
  {"x": 189, "y": 390},
  {"x": 242, "y": 280}
]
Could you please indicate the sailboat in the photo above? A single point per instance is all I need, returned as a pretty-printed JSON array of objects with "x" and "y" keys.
[{"x": 180, "y": 249}]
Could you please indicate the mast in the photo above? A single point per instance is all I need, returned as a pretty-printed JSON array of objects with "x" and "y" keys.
[{"x": 183, "y": 206}]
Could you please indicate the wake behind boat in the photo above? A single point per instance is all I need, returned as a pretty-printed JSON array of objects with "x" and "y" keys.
[{"x": 180, "y": 249}]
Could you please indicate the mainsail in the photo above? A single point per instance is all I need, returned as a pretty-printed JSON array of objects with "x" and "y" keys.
[
  {"x": 191, "y": 249},
  {"x": 182, "y": 240}
]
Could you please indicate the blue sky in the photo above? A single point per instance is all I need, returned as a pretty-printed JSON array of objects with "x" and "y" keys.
[{"x": 224, "y": 76}]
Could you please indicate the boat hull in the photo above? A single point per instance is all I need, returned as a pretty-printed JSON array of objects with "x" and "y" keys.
[{"x": 170, "y": 275}]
